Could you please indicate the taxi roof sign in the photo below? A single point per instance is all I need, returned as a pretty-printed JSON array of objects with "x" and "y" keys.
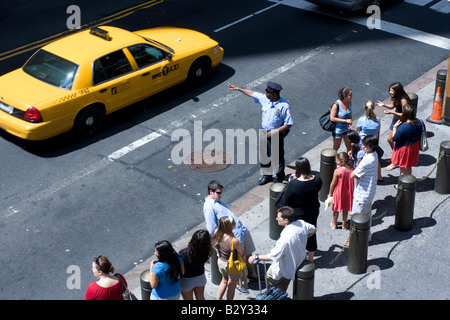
[{"x": 100, "y": 33}]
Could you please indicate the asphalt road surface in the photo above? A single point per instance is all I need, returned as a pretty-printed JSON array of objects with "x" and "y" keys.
[{"x": 66, "y": 200}]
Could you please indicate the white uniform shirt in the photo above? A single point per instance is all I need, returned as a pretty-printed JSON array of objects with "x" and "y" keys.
[
  {"x": 290, "y": 250},
  {"x": 367, "y": 172}
]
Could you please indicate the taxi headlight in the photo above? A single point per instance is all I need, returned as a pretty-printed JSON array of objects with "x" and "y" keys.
[{"x": 216, "y": 49}]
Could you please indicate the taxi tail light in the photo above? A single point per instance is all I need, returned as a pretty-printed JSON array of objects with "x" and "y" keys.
[{"x": 32, "y": 115}]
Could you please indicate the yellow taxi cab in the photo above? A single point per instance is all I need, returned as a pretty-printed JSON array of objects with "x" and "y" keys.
[{"x": 74, "y": 82}]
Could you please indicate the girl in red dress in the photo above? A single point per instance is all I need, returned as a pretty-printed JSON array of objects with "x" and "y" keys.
[{"x": 341, "y": 189}]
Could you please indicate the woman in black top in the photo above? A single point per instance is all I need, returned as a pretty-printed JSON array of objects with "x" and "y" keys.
[
  {"x": 195, "y": 255},
  {"x": 302, "y": 194}
]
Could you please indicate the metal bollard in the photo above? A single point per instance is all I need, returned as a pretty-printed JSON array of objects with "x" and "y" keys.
[
  {"x": 442, "y": 183},
  {"x": 304, "y": 281},
  {"x": 274, "y": 228},
  {"x": 146, "y": 288},
  {"x": 358, "y": 244},
  {"x": 327, "y": 167},
  {"x": 216, "y": 276},
  {"x": 414, "y": 100},
  {"x": 441, "y": 77},
  {"x": 440, "y": 84},
  {"x": 404, "y": 205}
]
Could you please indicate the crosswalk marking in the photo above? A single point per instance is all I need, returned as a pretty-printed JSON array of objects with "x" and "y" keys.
[
  {"x": 386, "y": 26},
  {"x": 442, "y": 6},
  {"x": 419, "y": 2}
]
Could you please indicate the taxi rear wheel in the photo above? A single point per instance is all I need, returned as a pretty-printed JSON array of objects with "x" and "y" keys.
[
  {"x": 89, "y": 121},
  {"x": 199, "y": 71}
]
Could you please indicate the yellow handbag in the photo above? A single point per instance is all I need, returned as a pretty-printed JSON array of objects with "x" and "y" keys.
[{"x": 235, "y": 263}]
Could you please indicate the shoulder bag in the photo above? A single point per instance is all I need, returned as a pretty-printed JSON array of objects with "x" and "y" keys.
[
  {"x": 126, "y": 294},
  {"x": 423, "y": 138},
  {"x": 325, "y": 122},
  {"x": 235, "y": 262}
]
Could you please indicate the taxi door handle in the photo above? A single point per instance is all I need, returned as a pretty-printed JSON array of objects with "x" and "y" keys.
[
  {"x": 103, "y": 90},
  {"x": 145, "y": 74}
]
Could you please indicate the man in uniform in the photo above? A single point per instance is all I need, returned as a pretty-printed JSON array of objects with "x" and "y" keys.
[{"x": 276, "y": 123}]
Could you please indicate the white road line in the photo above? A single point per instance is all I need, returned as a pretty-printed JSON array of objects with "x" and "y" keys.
[
  {"x": 413, "y": 34},
  {"x": 247, "y": 17},
  {"x": 406, "y": 32},
  {"x": 132, "y": 146},
  {"x": 442, "y": 6},
  {"x": 419, "y": 2}
]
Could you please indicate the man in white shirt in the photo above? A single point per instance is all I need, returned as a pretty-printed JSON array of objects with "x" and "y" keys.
[
  {"x": 289, "y": 251},
  {"x": 366, "y": 174}
]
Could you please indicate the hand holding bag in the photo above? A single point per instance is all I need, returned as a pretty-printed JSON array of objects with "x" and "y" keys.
[
  {"x": 235, "y": 263},
  {"x": 325, "y": 121}
]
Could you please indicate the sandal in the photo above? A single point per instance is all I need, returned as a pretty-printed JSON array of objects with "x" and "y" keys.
[
  {"x": 391, "y": 167},
  {"x": 242, "y": 290},
  {"x": 345, "y": 243},
  {"x": 344, "y": 226},
  {"x": 333, "y": 225}
]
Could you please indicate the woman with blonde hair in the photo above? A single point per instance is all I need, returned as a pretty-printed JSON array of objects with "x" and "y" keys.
[
  {"x": 222, "y": 240},
  {"x": 370, "y": 124}
]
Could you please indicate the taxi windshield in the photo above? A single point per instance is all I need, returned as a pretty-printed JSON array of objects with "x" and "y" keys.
[{"x": 51, "y": 69}]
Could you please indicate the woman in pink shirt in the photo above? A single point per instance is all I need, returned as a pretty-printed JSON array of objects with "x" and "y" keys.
[{"x": 108, "y": 286}]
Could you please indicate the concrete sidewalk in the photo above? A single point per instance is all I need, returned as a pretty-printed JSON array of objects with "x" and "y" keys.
[{"x": 401, "y": 264}]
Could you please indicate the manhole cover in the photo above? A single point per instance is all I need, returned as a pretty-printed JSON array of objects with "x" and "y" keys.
[{"x": 208, "y": 160}]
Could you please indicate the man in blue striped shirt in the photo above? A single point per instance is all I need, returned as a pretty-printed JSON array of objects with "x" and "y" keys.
[{"x": 365, "y": 175}]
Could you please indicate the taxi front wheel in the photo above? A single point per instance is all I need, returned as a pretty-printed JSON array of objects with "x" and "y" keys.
[
  {"x": 89, "y": 121},
  {"x": 199, "y": 71}
]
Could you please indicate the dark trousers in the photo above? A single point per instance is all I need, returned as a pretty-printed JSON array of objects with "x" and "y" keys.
[{"x": 281, "y": 162}]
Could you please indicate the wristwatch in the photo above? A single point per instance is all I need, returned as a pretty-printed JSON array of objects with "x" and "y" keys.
[{"x": 257, "y": 256}]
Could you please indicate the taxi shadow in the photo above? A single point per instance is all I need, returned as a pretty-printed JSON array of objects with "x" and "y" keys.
[{"x": 125, "y": 118}]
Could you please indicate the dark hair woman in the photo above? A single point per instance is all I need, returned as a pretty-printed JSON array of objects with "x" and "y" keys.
[
  {"x": 165, "y": 272},
  {"x": 195, "y": 255},
  {"x": 302, "y": 194},
  {"x": 341, "y": 113},
  {"x": 407, "y": 133},
  {"x": 399, "y": 98}
]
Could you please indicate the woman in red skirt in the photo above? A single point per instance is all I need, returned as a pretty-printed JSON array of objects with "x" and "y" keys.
[{"x": 407, "y": 133}]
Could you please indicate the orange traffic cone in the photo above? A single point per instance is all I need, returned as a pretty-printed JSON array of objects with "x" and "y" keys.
[{"x": 436, "y": 113}]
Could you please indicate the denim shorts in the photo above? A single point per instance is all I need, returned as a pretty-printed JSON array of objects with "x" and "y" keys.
[
  {"x": 338, "y": 135},
  {"x": 188, "y": 284}
]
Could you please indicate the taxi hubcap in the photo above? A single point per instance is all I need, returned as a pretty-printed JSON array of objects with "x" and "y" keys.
[{"x": 90, "y": 121}]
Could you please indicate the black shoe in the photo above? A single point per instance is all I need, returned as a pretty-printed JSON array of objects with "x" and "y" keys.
[
  {"x": 278, "y": 180},
  {"x": 264, "y": 179}
]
